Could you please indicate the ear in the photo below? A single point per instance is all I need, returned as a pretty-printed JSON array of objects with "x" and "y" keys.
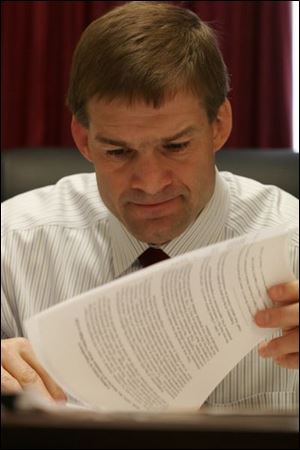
[
  {"x": 80, "y": 136},
  {"x": 222, "y": 125}
]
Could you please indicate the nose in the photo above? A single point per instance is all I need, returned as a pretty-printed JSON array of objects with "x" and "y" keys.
[{"x": 151, "y": 174}]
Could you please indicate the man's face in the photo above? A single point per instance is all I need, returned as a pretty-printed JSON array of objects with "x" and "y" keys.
[{"x": 154, "y": 167}]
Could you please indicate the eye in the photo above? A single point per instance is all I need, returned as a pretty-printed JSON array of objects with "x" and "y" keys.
[
  {"x": 176, "y": 147},
  {"x": 119, "y": 153}
]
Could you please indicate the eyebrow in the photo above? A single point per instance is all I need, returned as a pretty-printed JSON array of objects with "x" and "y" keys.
[{"x": 184, "y": 132}]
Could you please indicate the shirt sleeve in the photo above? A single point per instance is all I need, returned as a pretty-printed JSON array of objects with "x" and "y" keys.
[
  {"x": 9, "y": 326},
  {"x": 294, "y": 253},
  {"x": 9, "y": 312}
]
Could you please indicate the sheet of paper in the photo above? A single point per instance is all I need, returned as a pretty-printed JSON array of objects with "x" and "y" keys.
[{"x": 163, "y": 338}]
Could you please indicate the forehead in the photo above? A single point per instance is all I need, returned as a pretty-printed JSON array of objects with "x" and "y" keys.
[{"x": 177, "y": 111}]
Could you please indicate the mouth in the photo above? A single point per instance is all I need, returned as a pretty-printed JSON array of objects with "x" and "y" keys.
[{"x": 156, "y": 210}]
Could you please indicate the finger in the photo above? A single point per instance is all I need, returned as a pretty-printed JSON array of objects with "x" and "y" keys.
[
  {"x": 285, "y": 292},
  {"x": 9, "y": 385},
  {"x": 26, "y": 376},
  {"x": 280, "y": 346},
  {"x": 52, "y": 387},
  {"x": 283, "y": 317},
  {"x": 290, "y": 361},
  {"x": 17, "y": 351}
]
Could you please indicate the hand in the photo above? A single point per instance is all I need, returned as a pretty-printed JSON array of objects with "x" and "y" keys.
[
  {"x": 284, "y": 349},
  {"x": 20, "y": 369}
]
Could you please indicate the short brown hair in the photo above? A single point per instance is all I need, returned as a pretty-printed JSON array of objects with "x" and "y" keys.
[{"x": 147, "y": 51}]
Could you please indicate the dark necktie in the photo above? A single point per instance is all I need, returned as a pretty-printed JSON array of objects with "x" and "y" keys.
[{"x": 151, "y": 256}]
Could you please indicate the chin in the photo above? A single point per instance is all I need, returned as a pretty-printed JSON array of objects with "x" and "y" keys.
[{"x": 157, "y": 235}]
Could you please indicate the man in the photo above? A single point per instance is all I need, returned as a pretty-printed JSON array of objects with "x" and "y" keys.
[{"x": 148, "y": 93}]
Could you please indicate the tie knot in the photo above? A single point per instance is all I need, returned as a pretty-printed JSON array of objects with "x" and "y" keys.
[{"x": 151, "y": 256}]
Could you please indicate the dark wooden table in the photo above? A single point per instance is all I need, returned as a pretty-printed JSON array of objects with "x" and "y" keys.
[{"x": 90, "y": 430}]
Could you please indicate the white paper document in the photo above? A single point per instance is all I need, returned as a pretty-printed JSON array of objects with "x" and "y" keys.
[{"x": 162, "y": 338}]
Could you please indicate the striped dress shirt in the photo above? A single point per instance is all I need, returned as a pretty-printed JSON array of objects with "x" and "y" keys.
[{"x": 60, "y": 240}]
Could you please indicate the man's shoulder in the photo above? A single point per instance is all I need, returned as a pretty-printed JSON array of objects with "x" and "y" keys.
[
  {"x": 73, "y": 202},
  {"x": 254, "y": 204}
]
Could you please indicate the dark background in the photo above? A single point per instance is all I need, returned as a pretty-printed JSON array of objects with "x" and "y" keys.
[{"x": 38, "y": 39}]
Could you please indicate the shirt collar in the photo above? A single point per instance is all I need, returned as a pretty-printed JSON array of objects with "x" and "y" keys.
[{"x": 207, "y": 229}]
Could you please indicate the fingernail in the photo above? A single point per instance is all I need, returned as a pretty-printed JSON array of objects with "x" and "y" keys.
[
  {"x": 262, "y": 318},
  {"x": 276, "y": 292},
  {"x": 262, "y": 349}
]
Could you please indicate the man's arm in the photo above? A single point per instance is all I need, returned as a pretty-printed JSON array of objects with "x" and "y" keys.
[
  {"x": 20, "y": 369},
  {"x": 285, "y": 314}
]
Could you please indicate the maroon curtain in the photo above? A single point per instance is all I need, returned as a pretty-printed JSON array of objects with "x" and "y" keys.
[{"x": 38, "y": 38}]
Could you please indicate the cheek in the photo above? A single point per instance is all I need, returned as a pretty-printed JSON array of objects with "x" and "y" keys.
[
  {"x": 199, "y": 178},
  {"x": 111, "y": 185},
  {"x": 193, "y": 173}
]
